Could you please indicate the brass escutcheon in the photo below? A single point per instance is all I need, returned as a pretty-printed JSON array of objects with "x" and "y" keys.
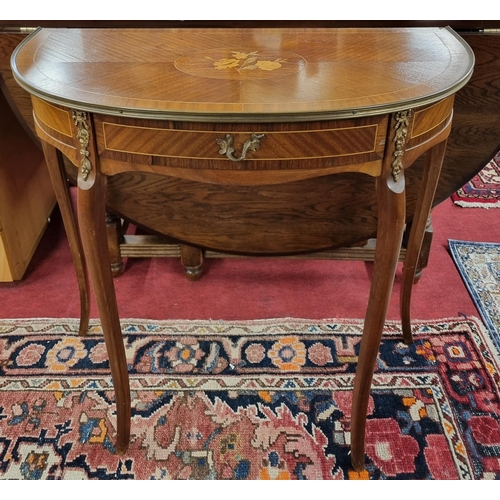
[{"x": 226, "y": 146}]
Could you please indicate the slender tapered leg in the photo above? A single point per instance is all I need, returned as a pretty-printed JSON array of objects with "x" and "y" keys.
[
  {"x": 433, "y": 161},
  {"x": 55, "y": 164},
  {"x": 425, "y": 251},
  {"x": 91, "y": 216},
  {"x": 391, "y": 209}
]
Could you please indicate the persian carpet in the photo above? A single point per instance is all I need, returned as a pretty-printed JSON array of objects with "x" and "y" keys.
[
  {"x": 266, "y": 399},
  {"x": 479, "y": 267},
  {"x": 483, "y": 190}
]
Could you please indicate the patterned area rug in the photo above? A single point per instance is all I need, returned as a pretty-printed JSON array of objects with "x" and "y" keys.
[
  {"x": 265, "y": 399},
  {"x": 483, "y": 190},
  {"x": 479, "y": 267}
]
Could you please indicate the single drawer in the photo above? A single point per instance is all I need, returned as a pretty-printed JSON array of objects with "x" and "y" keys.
[{"x": 243, "y": 146}]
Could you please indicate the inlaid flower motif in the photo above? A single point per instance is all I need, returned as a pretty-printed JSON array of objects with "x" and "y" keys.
[
  {"x": 320, "y": 354},
  {"x": 255, "y": 353},
  {"x": 288, "y": 354},
  {"x": 242, "y": 61},
  {"x": 242, "y": 55},
  {"x": 268, "y": 65},
  {"x": 66, "y": 354},
  {"x": 226, "y": 63},
  {"x": 185, "y": 355},
  {"x": 30, "y": 355},
  {"x": 467, "y": 382}
]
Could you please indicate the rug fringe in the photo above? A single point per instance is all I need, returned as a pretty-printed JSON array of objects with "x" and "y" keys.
[{"x": 466, "y": 204}]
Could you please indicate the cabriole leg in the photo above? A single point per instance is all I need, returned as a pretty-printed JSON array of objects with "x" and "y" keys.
[
  {"x": 91, "y": 216},
  {"x": 391, "y": 209},
  {"x": 433, "y": 161},
  {"x": 55, "y": 164}
]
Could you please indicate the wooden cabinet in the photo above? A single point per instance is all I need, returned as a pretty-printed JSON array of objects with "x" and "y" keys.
[
  {"x": 26, "y": 197},
  {"x": 26, "y": 193}
]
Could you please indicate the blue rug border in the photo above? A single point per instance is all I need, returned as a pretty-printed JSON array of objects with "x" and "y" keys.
[{"x": 453, "y": 245}]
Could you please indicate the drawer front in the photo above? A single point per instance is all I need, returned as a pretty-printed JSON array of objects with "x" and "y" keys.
[
  {"x": 54, "y": 125},
  {"x": 429, "y": 121},
  {"x": 276, "y": 146},
  {"x": 53, "y": 118}
]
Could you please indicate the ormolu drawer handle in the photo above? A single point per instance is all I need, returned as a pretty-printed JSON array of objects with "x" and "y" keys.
[{"x": 226, "y": 146}]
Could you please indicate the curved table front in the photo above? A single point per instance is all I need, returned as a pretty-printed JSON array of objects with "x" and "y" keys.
[{"x": 254, "y": 140}]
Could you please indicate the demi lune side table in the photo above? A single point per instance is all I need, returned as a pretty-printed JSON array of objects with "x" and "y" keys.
[{"x": 212, "y": 115}]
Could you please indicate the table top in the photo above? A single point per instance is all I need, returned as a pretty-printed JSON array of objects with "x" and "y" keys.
[{"x": 260, "y": 75}]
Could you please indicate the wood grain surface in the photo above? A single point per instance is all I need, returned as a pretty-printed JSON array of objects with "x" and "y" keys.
[{"x": 246, "y": 74}]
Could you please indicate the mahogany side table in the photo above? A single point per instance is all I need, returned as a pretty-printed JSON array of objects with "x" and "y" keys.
[{"x": 217, "y": 113}]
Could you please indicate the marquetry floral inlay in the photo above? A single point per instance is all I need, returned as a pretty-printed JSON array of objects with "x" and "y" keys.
[{"x": 242, "y": 61}]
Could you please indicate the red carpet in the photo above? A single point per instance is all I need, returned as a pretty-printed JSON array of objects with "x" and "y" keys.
[
  {"x": 264, "y": 399},
  {"x": 251, "y": 288}
]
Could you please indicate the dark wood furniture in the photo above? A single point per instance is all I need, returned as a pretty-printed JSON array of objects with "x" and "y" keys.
[
  {"x": 253, "y": 140},
  {"x": 474, "y": 139}
]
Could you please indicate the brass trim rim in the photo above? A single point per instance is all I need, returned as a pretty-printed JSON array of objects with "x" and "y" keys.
[{"x": 151, "y": 114}]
